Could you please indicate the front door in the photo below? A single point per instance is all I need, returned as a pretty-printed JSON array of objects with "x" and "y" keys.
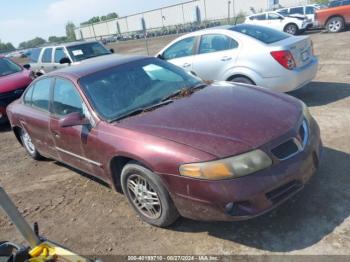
[{"x": 216, "y": 54}]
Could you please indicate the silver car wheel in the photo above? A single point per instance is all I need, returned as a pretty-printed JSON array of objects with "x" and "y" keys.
[
  {"x": 27, "y": 141},
  {"x": 144, "y": 197},
  {"x": 291, "y": 29},
  {"x": 335, "y": 26}
]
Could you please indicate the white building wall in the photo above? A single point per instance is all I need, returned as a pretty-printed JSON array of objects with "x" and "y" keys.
[{"x": 180, "y": 14}]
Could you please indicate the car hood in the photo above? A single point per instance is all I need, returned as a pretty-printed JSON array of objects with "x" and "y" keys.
[
  {"x": 222, "y": 119},
  {"x": 15, "y": 81}
]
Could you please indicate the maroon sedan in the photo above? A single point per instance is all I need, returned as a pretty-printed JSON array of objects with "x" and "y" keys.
[
  {"x": 175, "y": 145},
  {"x": 13, "y": 81}
]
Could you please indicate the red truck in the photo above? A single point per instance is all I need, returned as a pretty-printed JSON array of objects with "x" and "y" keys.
[{"x": 335, "y": 18}]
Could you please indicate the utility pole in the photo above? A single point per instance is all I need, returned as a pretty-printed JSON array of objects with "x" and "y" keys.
[{"x": 228, "y": 11}]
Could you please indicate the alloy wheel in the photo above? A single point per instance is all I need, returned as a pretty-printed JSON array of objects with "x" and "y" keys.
[
  {"x": 27, "y": 141},
  {"x": 144, "y": 197},
  {"x": 335, "y": 26},
  {"x": 291, "y": 29}
]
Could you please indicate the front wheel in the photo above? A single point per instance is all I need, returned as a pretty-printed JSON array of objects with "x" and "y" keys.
[
  {"x": 147, "y": 195},
  {"x": 291, "y": 29},
  {"x": 335, "y": 25},
  {"x": 28, "y": 145}
]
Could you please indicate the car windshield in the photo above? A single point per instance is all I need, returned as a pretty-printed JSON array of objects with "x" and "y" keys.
[
  {"x": 7, "y": 67},
  {"x": 261, "y": 33},
  {"x": 121, "y": 90},
  {"x": 87, "y": 50}
]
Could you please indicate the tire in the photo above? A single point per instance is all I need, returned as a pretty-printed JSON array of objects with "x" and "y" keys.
[
  {"x": 29, "y": 146},
  {"x": 291, "y": 29},
  {"x": 137, "y": 182},
  {"x": 242, "y": 79},
  {"x": 335, "y": 24}
]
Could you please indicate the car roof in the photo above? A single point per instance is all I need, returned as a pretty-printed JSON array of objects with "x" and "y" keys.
[
  {"x": 69, "y": 44},
  {"x": 93, "y": 65}
]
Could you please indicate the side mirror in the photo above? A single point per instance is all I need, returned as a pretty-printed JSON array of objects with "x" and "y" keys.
[
  {"x": 65, "y": 60},
  {"x": 73, "y": 119},
  {"x": 160, "y": 56},
  {"x": 112, "y": 50},
  {"x": 26, "y": 66}
]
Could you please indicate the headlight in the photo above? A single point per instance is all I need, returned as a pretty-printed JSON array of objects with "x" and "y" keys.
[
  {"x": 306, "y": 111},
  {"x": 232, "y": 167}
]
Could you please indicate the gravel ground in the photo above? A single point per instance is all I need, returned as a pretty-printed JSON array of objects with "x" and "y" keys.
[{"x": 79, "y": 212}]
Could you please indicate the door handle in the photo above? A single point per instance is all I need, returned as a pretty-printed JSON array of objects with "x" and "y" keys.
[
  {"x": 226, "y": 58},
  {"x": 55, "y": 133},
  {"x": 186, "y": 65}
]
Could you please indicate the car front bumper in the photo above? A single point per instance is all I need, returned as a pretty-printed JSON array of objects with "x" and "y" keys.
[
  {"x": 249, "y": 196},
  {"x": 291, "y": 79}
]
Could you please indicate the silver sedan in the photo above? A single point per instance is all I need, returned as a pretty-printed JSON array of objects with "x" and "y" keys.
[{"x": 246, "y": 53}]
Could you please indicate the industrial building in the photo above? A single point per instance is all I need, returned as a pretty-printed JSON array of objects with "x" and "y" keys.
[{"x": 180, "y": 14}]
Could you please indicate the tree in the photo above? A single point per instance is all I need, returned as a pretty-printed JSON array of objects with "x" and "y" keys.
[
  {"x": 97, "y": 19},
  {"x": 6, "y": 47},
  {"x": 57, "y": 39},
  {"x": 37, "y": 41},
  {"x": 70, "y": 31},
  {"x": 321, "y": 1}
]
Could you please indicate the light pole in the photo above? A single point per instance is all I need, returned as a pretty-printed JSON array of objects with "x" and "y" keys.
[{"x": 228, "y": 11}]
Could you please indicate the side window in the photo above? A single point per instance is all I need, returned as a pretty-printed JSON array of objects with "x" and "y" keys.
[
  {"x": 283, "y": 11},
  {"x": 34, "y": 55},
  {"x": 260, "y": 17},
  {"x": 347, "y": 2},
  {"x": 273, "y": 16},
  {"x": 59, "y": 54},
  {"x": 28, "y": 95},
  {"x": 310, "y": 10},
  {"x": 297, "y": 10},
  {"x": 215, "y": 43},
  {"x": 66, "y": 98},
  {"x": 47, "y": 56},
  {"x": 180, "y": 49},
  {"x": 41, "y": 94}
]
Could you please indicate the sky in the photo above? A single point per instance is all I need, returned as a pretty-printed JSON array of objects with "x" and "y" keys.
[{"x": 22, "y": 20}]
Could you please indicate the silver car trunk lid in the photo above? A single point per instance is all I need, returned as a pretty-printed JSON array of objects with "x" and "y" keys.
[{"x": 299, "y": 46}]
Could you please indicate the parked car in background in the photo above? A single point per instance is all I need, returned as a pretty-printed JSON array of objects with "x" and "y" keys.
[
  {"x": 49, "y": 58},
  {"x": 289, "y": 24},
  {"x": 246, "y": 53},
  {"x": 336, "y": 3},
  {"x": 334, "y": 19},
  {"x": 306, "y": 10},
  {"x": 14, "y": 79},
  {"x": 175, "y": 145}
]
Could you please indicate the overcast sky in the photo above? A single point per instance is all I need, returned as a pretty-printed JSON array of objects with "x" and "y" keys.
[{"x": 22, "y": 20}]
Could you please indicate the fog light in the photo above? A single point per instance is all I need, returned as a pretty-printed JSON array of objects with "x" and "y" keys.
[{"x": 229, "y": 207}]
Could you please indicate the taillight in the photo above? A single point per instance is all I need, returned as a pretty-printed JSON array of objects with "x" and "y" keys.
[{"x": 285, "y": 58}]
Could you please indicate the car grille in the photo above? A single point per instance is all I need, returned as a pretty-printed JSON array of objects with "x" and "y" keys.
[
  {"x": 279, "y": 194},
  {"x": 294, "y": 145},
  {"x": 8, "y": 97}
]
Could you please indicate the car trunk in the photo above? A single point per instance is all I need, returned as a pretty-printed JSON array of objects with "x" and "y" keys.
[{"x": 299, "y": 46}]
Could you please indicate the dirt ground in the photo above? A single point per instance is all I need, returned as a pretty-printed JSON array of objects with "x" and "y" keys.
[{"x": 90, "y": 218}]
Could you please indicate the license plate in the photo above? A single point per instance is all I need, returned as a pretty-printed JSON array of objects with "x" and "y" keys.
[{"x": 305, "y": 56}]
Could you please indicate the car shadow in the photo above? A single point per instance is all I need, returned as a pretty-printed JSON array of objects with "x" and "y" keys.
[
  {"x": 322, "y": 93},
  {"x": 5, "y": 127},
  {"x": 299, "y": 223}
]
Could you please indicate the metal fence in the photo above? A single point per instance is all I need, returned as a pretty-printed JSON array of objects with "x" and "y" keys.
[{"x": 182, "y": 17}]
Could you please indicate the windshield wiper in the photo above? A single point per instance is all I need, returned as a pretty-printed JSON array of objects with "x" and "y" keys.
[
  {"x": 142, "y": 110},
  {"x": 184, "y": 91}
]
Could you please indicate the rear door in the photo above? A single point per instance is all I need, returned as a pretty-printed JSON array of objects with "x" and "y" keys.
[
  {"x": 46, "y": 60},
  {"x": 216, "y": 53},
  {"x": 181, "y": 53},
  {"x": 36, "y": 120}
]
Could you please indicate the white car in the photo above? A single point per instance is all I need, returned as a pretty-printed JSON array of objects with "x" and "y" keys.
[
  {"x": 292, "y": 25},
  {"x": 307, "y": 10},
  {"x": 246, "y": 53}
]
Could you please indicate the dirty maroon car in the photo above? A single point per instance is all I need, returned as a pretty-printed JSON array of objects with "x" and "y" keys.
[
  {"x": 13, "y": 81},
  {"x": 173, "y": 144}
]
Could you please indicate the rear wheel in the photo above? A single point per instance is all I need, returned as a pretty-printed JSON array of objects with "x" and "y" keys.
[
  {"x": 147, "y": 195},
  {"x": 242, "y": 79},
  {"x": 28, "y": 145},
  {"x": 291, "y": 29},
  {"x": 335, "y": 25}
]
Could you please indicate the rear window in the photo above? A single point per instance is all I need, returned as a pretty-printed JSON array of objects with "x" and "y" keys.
[
  {"x": 87, "y": 50},
  {"x": 33, "y": 55},
  {"x": 263, "y": 34}
]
